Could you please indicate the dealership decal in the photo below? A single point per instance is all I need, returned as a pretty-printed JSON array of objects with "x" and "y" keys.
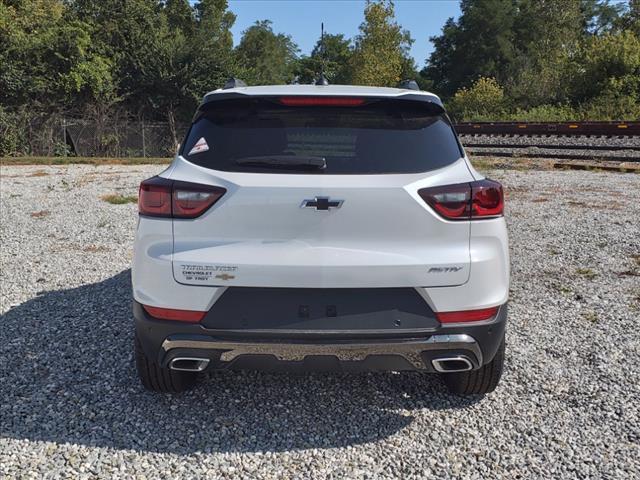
[
  {"x": 200, "y": 146},
  {"x": 207, "y": 274}
]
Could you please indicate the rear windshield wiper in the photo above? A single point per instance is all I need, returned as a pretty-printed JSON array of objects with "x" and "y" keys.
[{"x": 284, "y": 161}]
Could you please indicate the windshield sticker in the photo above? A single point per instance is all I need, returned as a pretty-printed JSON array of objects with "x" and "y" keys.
[{"x": 199, "y": 147}]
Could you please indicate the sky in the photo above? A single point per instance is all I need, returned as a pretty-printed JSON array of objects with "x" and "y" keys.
[{"x": 301, "y": 19}]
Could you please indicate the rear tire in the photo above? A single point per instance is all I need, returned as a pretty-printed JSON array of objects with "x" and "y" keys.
[
  {"x": 477, "y": 382},
  {"x": 158, "y": 379}
]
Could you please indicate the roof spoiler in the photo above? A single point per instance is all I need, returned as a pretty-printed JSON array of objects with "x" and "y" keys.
[{"x": 218, "y": 96}]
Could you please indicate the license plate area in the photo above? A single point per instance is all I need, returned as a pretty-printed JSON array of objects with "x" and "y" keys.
[{"x": 321, "y": 310}]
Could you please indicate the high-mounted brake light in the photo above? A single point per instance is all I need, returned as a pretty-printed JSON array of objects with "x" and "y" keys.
[
  {"x": 187, "y": 316},
  {"x": 466, "y": 201},
  {"x": 467, "y": 315},
  {"x": 322, "y": 101},
  {"x": 160, "y": 197}
]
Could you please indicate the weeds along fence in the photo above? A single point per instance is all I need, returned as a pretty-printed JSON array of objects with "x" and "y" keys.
[{"x": 115, "y": 137}]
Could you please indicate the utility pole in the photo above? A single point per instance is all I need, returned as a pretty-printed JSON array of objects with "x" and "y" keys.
[
  {"x": 144, "y": 144},
  {"x": 64, "y": 136}
]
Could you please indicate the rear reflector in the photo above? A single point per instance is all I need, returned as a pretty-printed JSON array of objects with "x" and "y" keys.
[
  {"x": 467, "y": 315},
  {"x": 466, "y": 201},
  {"x": 187, "y": 316},
  {"x": 159, "y": 197},
  {"x": 322, "y": 101}
]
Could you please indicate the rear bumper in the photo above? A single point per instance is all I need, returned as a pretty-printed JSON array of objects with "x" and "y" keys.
[{"x": 316, "y": 349}]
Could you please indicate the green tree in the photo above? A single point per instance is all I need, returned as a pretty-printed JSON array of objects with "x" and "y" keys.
[
  {"x": 49, "y": 58},
  {"x": 600, "y": 16},
  {"x": 484, "y": 100},
  {"x": 607, "y": 76},
  {"x": 180, "y": 16},
  {"x": 630, "y": 19},
  {"x": 547, "y": 35},
  {"x": 50, "y": 66},
  {"x": 479, "y": 43},
  {"x": 381, "y": 48},
  {"x": 212, "y": 59},
  {"x": 266, "y": 58},
  {"x": 193, "y": 55},
  {"x": 335, "y": 56},
  {"x": 131, "y": 34}
]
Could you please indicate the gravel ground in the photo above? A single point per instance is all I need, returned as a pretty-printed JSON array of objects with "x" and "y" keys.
[
  {"x": 71, "y": 404},
  {"x": 525, "y": 140}
]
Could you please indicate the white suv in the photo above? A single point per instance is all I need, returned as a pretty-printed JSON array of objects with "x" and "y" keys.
[{"x": 321, "y": 227}]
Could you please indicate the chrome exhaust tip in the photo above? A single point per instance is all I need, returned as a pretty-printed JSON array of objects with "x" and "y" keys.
[
  {"x": 188, "y": 364},
  {"x": 459, "y": 363}
]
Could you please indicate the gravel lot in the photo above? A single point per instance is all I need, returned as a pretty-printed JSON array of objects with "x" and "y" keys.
[
  {"x": 71, "y": 404},
  {"x": 524, "y": 140}
]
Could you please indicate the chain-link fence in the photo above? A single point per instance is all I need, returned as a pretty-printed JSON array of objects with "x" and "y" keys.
[
  {"x": 87, "y": 138},
  {"x": 83, "y": 137}
]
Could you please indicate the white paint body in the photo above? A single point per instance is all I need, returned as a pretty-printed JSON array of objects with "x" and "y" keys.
[{"x": 383, "y": 235}]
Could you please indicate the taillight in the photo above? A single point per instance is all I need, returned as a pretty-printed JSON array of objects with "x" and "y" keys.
[
  {"x": 467, "y": 315},
  {"x": 154, "y": 197},
  {"x": 487, "y": 199},
  {"x": 466, "y": 201},
  {"x": 159, "y": 197},
  {"x": 451, "y": 201},
  {"x": 187, "y": 316},
  {"x": 191, "y": 200},
  {"x": 322, "y": 101}
]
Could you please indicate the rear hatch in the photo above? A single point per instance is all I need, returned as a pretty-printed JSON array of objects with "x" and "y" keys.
[{"x": 321, "y": 196}]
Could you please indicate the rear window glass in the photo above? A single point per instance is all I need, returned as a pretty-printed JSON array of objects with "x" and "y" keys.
[{"x": 263, "y": 136}]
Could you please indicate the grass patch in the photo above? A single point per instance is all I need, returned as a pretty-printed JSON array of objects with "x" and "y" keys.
[
  {"x": 508, "y": 163},
  {"x": 7, "y": 161},
  {"x": 587, "y": 273},
  {"x": 483, "y": 164},
  {"x": 562, "y": 288},
  {"x": 95, "y": 249},
  {"x": 40, "y": 214},
  {"x": 590, "y": 316},
  {"x": 115, "y": 199}
]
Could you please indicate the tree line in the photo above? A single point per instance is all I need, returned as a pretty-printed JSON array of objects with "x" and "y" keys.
[{"x": 154, "y": 59}]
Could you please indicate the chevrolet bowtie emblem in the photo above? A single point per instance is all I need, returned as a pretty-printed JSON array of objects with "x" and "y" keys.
[
  {"x": 225, "y": 276},
  {"x": 322, "y": 203}
]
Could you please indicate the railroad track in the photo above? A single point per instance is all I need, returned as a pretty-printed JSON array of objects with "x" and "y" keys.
[
  {"x": 607, "y": 129},
  {"x": 559, "y": 147},
  {"x": 599, "y": 141}
]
